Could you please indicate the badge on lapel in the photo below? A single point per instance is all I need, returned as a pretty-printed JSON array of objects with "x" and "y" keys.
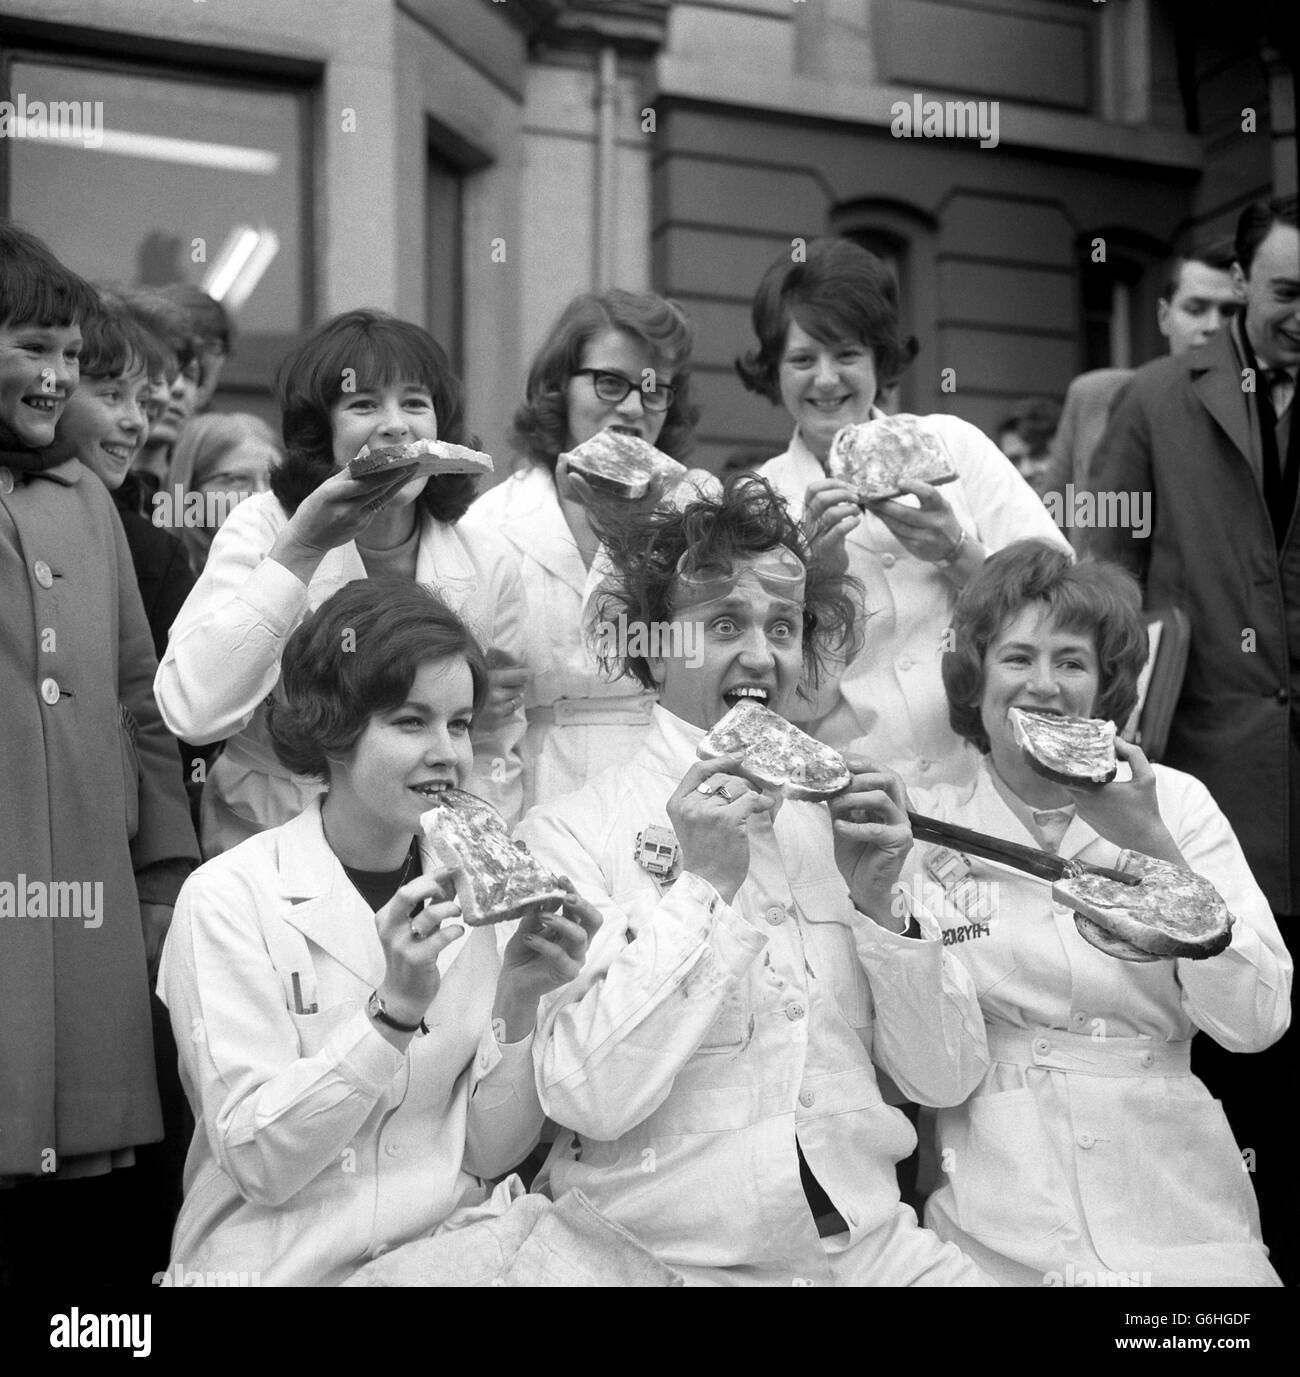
[{"x": 658, "y": 854}]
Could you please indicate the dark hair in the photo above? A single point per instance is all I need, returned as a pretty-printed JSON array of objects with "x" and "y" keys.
[
  {"x": 1219, "y": 255},
  {"x": 1091, "y": 596},
  {"x": 113, "y": 342},
  {"x": 364, "y": 349},
  {"x": 356, "y": 656},
  {"x": 35, "y": 288},
  {"x": 841, "y": 291},
  {"x": 747, "y": 518},
  {"x": 208, "y": 319},
  {"x": 160, "y": 359},
  {"x": 1255, "y": 224},
  {"x": 163, "y": 319},
  {"x": 1034, "y": 420},
  {"x": 541, "y": 424}
]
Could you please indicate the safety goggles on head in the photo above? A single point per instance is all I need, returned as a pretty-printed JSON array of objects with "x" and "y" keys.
[
  {"x": 613, "y": 387},
  {"x": 779, "y": 571}
]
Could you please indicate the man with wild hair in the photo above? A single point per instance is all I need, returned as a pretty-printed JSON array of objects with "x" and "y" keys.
[{"x": 712, "y": 1066}]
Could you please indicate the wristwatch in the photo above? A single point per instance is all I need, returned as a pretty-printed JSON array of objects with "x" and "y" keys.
[{"x": 375, "y": 1008}]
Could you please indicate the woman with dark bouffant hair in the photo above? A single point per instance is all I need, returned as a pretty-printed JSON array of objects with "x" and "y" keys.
[
  {"x": 342, "y": 998},
  {"x": 829, "y": 343},
  {"x": 614, "y": 360},
  {"x": 1089, "y": 1150},
  {"x": 363, "y": 378}
]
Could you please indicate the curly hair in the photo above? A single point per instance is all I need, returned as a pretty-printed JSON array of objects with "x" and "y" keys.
[
  {"x": 361, "y": 350},
  {"x": 1093, "y": 596},
  {"x": 748, "y": 518},
  {"x": 356, "y": 656},
  {"x": 840, "y": 292},
  {"x": 541, "y": 424}
]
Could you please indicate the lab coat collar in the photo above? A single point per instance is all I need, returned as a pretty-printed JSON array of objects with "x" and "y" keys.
[
  {"x": 534, "y": 523},
  {"x": 323, "y": 903},
  {"x": 669, "y": 745},
  {"x": 440, "y": 557},
  {"x": 325, "y": 906},
  {"x": 1078, "y": 836}
]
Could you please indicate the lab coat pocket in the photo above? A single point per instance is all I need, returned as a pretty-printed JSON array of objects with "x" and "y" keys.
[
  {"x": 729, "y": 1032},
  {"x": 1197, "y": 1188},
  {"x": 831, "y": 950},
  {"x": 1002, "y": 1168},
  {"x": 314, "y": 1030}
]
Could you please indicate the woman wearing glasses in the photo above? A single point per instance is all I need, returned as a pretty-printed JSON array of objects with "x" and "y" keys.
[{"x": 614, "y": 360}]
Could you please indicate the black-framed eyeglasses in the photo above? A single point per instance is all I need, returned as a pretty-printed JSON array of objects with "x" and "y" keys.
[{"x": 613, "y": 387}]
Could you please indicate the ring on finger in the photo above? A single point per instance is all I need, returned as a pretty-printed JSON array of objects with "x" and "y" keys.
[
  {"x": 706, "y": 788},
  {"x": 415, "y": 932}
]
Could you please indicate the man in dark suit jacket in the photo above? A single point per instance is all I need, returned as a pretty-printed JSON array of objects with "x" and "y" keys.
[
  {"x": 1198, "y": 300},
  {"x": 1210, "y": 437}
]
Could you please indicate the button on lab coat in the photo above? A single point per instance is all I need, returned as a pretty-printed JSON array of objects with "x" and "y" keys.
[
  {"x": 524, "y": 513},
  {"x": 318, "y": 1144},
  {"x": 890, "y": 703},
  {"x": 223, "y": 659},
  {"x": 1064, "y": 1173},
  {"x": 702, "y": 1037}
]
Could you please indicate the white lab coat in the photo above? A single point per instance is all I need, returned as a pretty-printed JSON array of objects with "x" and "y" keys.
[
  {"x": 1089, "y": 1149},
  {"x": 223, "y": 659},
  {"x": 890, "y": 703},
  {"x": 611, "y": 715},
  {"x": 701, "y": 1037},
  {"x": 318, "y": 1144}
]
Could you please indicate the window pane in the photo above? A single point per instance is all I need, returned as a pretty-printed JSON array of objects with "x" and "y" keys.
[{"x": 180, "y": 161}]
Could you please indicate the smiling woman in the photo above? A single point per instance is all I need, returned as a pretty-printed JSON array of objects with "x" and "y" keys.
[
  {"x": 618, "y": 361},
  {"x": 829, "y": 340},
  {"x": 1129, "y": 1159},
  {"x": 361, "y": 379},
  {"x": 341, "y": 997}
]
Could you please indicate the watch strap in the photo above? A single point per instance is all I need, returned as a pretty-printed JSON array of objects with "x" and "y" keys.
[{"x": 375, "y": 1008}]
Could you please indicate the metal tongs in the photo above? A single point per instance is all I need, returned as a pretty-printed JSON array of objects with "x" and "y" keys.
[{"x": 1028, "y": 859}]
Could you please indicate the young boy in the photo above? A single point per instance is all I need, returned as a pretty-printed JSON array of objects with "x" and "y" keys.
[
  {"x": 106, "y": 421},
  {"x": 95, "y": 837}
]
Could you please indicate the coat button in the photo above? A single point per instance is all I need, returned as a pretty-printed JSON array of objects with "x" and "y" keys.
[
  {"x": 1085, "y": 1140},
  {"x": 807, "y": 1099},
  {"x": 42, "y": 572},
  {"x": 1148, "y": 1059},
  {"x": 794, "y": 1012},
  {"x": 1042, "y": 1047},
  {"x": 6, "y": 482},
  {"x": 775, "y": 914},
  {"x": 50, "y": 690},
  {"x": 1078, "y": 1019},
  {"x": 391, "y": 1149},
  {"x": 1282, "y": 696},
  {"x": 888, "y": 561}
]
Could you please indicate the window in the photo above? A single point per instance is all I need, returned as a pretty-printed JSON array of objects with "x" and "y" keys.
[
  {"x": 1118, "y": 299},
  {"x": 903, "y": 237},
  {"x": 173, "y": 178},
  {"x": 450, "y": 163}
]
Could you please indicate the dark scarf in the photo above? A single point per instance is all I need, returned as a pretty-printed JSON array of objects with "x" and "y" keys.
[{"x": 21, "y": 459}]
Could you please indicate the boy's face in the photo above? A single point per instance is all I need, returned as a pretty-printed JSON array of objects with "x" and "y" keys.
[
  {"x": 184, "y": 387},
  {"x": 106, "y": 422},
  {"x": 38, "y": 373}
]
